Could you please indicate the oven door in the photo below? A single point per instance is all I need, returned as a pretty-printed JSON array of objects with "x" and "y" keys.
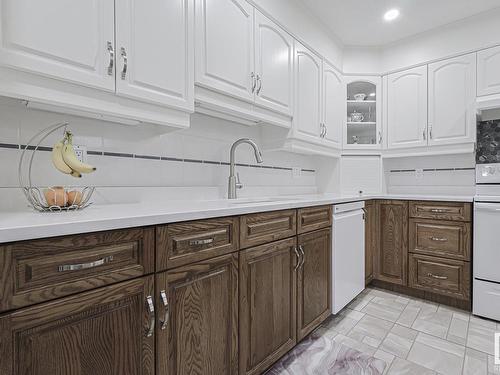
[{"x": 487, "y": 241}]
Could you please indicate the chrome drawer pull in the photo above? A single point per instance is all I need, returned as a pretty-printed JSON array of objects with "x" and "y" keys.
[
  {"x": 205, "y": 241},
  {"x": 438, "y": 239},
  {"x": 85, "y": 266},
  {"x": 151, "y": 310},
  {"x": 167, "y": 310},
  {"x": 439, "y": 210},
  {"x": 437, "y": 277}
]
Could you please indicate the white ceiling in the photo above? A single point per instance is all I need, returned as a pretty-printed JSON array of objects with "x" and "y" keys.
[{"x": 361, "y": 23}]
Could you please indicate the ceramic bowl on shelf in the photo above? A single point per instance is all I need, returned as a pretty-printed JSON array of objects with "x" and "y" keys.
[
  {"x": 359, "y": 97},
  {"x": 357, "y": 117}
]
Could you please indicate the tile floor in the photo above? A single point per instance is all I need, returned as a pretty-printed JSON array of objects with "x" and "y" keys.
[{"x": 414, "y": 336}]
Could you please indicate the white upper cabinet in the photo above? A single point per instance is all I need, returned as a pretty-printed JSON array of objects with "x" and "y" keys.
[
  {"x": 70, "y": 41},
  {"x": 488, "y": 71},
  {"x": 452, "y": 95},
  {"x": 333, "y": 106},
  {"x": 273, "y": 66},
  {"x": 307, "y": 116},
  {"x": 407, "y": 108},
  {"x": 154, "y": 51},
  {"x": 224, "y": 47}
]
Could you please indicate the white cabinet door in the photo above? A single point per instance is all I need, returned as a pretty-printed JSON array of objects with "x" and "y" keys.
[
  {"x": 488, "y": 71},
  {"x": 154, "y": 51},
  {"x": 407, "y": 108},
  {"x": 333, "y": 106},
  {"x": 224, "y": 47},
  {"x": 307, "y": 117},
  {"x": 54, "y": 38},
  {"x": 273, "y": 65},
  {"x": 452, "y": 95}
]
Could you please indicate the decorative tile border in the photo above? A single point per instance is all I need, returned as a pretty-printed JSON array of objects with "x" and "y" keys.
[
  {"x": 432, "y": 170},
  {"x": 164, "y": 158}
]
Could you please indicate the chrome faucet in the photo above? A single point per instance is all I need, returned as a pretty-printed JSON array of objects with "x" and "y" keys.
[{"x": 234, "y": 180}]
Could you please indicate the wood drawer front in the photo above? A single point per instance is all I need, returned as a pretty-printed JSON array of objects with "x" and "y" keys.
[
  {"x": 41, "y": 270},
  {"x": 188, "y": 242},
  {"x": 441, "y": 210},
  {"x": 261, "y": 228},
  {"x": 446, "y": 239},
  {"x": 313, "y": 218},
  {"x": 442, "y": 276}
]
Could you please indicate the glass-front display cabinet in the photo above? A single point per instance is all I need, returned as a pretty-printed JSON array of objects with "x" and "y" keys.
[{"x": 363, "y": 128}]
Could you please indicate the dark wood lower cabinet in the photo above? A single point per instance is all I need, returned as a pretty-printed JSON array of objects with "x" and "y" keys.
[
  {"x": 197, "y": 327},
  {"x": 314, "y": 281},
  {"x": 391, "y": 260},
  {"x": 103, "y": 332},
  {"x": 371, "y": 219},
  {"x": 267, "y": 304}
]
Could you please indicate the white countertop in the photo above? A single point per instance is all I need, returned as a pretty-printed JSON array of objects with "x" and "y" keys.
[{"x": 28, "y": 224}]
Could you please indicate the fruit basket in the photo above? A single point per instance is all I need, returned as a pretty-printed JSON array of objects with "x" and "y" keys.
[{"x": 56, "y": 198}]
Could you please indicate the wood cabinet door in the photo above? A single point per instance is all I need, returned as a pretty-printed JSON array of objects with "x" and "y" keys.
[
  {"x": 103, "y": 332},
  {"x": 314, "y": 281},
  {"x": 267, "y": 304},
  {"x": 73, "y": 43},
  {"x": 370, "y": 239},
  {"x": 488, "y": 71},
  {"x": 333, "y": 106},
  {"x": 197, "y": 322},
  {"x": 392, "y": 251},
  {"x": 225, "y": 47},
  {"x": 452, "y": 99},
  {"x": 407, "y": 108},
  {"x": 148, "y": 36},
  {"x": 274, "y": 66},
  {"x": 307, "y": 116}
]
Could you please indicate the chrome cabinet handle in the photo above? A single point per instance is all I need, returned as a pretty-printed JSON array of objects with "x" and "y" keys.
[
  {"x": 439, "y": 210},
  {"x": 380, "y": 137},
  {"x": 111, "y": 59},
  {"x": 164, "y": 298},
  {"x": 204, "y": 241},
  {"x": 123, "y": 54},
  {"x": 424, "y": 135},
  {"x": 438, "y": 239},
  {"x": 303, "y": 255},
  {"x": 437, "y": 277},
  {"x": 297, "y": 255},
  {"x": 259, "y": 79},
  {"x": 326, "y": 130},
  {"x": 430, "y": 131},
  {"x": 85, "y": 266},
  {"x": 254, "y": 81},
  {"x": 151, "y": 310}
]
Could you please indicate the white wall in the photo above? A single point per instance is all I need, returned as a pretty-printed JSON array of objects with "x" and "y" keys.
[
  {"x": 473, "y": 33},
  {"x": 361, "y": 174},
  {"x": 208, "y": 139},
  {"x": 298, "y": 20}
]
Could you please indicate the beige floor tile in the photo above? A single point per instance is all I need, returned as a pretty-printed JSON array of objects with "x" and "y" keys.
[
  {"x": 403, "y": 367},
  {"x": 386, "y": 357},
  {"x": 457, "y": 332},
  {"x": 360, "y": 302},
  {"x": 492, "y": 367},
  {"x": 399, "y": 341},
  {"x": 436, "y": 354},
  {"x": 483, "y": 322},
  {"x": 475, "y": 363},
  {"x": 481, "y": 337},
  {"x": 354, "y": 344},
  {"x": 408, "y": 316},
  {"x": 433, "y": 323},
  {"x": 372, "y": 327},
  {"x": 382, "y": 311}
]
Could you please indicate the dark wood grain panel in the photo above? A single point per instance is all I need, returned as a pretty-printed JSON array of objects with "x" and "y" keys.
[
  {"x": 452, "y": 211},
  {"x": 201, "y": 334},
  {"x": 314, "y": 280},
  {"x": 313, "y": 218},
  {"x": 260, "y": 228},
  {"x": 32, "y": 270},
  {"x": 441, "y": 276},
  {"x": 446, "y": 239},
  {"x": 188, "y": 242},
  {"x": 392, "y": 250},
  {"x": 371, "y": 218},
  {"x": 267, "y": 304},
  {"x": 102, "y": 332}
]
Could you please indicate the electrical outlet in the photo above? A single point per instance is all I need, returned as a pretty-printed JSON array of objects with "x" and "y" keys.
[
  {"x": 296, "y": 172},
  {"x": 81, "y": 153}
]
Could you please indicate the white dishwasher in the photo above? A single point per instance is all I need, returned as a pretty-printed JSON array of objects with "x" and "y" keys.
[{"x": 348, "y": 253}]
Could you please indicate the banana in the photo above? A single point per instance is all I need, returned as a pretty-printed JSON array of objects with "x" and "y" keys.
[
  {"x": 76, "y": 174},
  {"x": 57, "y": 158},
  {"x": 69, "y": 157}
]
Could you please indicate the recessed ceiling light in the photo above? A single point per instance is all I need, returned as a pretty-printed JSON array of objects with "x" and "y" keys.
[{"x": 391, "y": 14}]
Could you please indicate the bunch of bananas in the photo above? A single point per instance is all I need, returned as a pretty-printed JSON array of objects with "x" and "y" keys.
[{"x": 65, "y": 160}]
